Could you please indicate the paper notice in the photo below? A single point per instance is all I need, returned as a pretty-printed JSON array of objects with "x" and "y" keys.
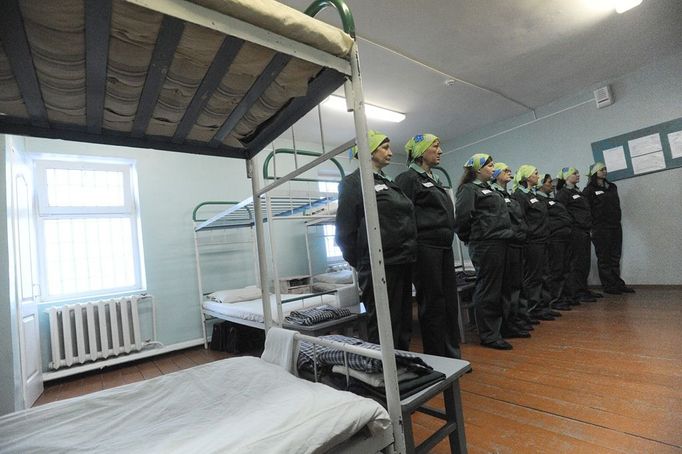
[
  {"x": 614, "y": 159},
  {"x": 648, "y": 162},
  {"x": 645, "y": 145},
  {"x": 675, "y": 140}
]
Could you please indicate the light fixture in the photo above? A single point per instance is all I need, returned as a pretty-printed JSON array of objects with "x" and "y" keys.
[
  {"x": 624, "y": 5},
  {"x": 338, "y": 103}
]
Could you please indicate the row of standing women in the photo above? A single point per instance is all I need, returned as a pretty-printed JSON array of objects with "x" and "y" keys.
[
  {"x": 531, "y": 245},
  {"x": 417, "y": 226}
]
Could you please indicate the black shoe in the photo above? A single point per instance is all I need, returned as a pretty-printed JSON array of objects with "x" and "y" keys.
[
  {"x": 613, "y": 291},
  {"x": 499, "y": 344},
  {"x": 562, "y": 307},
  {"x": 544, "y": 317},
  {"x": 554, "y": 313},
  {"x": 625, "y": 289},
  {"x": 516, "y": 334},
  {"x": 595, "y": 294},
  {"x": 523, "y": 327},
  {"x": 534, "y": 321},
  {"x": 588, "y": 299},
  {"x": 575, "y": 303}
]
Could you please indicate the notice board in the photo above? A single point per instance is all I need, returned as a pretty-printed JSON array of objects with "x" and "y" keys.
[{"x": 643, "y": 151}]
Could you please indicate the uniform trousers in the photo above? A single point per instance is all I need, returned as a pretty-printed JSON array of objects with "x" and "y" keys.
[
  {"x": 513, "y": 311},
  {"x": 489, "y": 259},
  {"x": 436, "y": 284},
  {"x": 608, "y": 245},
  {"x": 533, "y": 271},
  {"x": 558, "y": 267},
  {"x": 579, "y": 258},
  {"x": 399, "y": 290}
]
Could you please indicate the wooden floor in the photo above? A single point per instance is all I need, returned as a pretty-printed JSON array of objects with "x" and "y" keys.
[{"x": 605, "y": 377}]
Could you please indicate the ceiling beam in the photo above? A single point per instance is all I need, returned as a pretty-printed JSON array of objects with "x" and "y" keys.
[
  {"x": 318, "y": 90},
  {"x": 13, "y": 37},
  {"x": 97, "y": 26},
  {"x": 221, "y": 64},
  {"x": 162, "y": 57},
  {"x": 261, "y": 84}
]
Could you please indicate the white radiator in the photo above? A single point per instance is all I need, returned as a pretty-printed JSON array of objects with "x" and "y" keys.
[{"x": 94, "y": 330}]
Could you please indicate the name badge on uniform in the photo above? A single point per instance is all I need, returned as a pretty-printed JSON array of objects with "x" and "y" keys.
[
  {"x": 428, "y": 184},
  {"x": 507, "y": 199},
  {"x": 486, "y": 191},
  {"x": 576, "y": 196},
  {"x": 533, "y": 200},
  {"x": 598, "y": 192},
  {"x": 552, "y": 202},
  {"x": 380, "y": 187}
]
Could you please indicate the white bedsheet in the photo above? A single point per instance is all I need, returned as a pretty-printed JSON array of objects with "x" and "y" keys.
[
  {"x": 237, "y": 405},
  {"x": 253, "y": 310}
]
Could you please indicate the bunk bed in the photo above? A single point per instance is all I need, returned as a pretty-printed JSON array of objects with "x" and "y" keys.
[{"x": 209, "y": 77}]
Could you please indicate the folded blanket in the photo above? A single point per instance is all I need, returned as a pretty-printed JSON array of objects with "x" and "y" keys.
[
  {"x": 315, "y": 315},
  {"x": 375, "y": 380},
  {"x": 327, "y": 356}
]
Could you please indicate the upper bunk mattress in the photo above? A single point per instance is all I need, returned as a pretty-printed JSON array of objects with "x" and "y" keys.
[{"x": 252, "y": 310}]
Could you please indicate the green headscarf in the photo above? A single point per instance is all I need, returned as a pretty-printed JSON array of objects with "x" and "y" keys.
[
  {"x": 374, "y": 139},
  {"x": 476, "y": 161},
  {"x": 418, "y": 145},
  {"x": 596, "y": 167},
  {"x": 566, "y": 172},
  {"x": 522, "y": 175},
  {"x": 499, "y": 168}
]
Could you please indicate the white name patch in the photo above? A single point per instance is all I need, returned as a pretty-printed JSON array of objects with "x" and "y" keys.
[
  {"x": 598, "y": 192},
  {"x": 533, "y": 200},
  {"x": 380, "y": 187},
  {"x": 507, "y": 200},
  {"x": 576, "y": 196},
  {"x": 428, "y": 184},
  {"x": 486, "y": 191},
  {"x": 552, "y": 202}
]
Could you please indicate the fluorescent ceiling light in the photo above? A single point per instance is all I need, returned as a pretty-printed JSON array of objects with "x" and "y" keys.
[
  {"x": 624, "y": 5},
  {"x": 338, "y": 103}
]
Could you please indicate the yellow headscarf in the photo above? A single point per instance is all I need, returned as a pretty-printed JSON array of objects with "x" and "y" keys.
[
  {"x": 596, "y": 167},
  {"x": 374, "y": 139},
  {"x": 566, "y": 172},
  {"x": 477, "y": 161},
  {"x": 418, "y": 145},
  {"x": 499, "y": 168},
  {"x": 522, "y": 175}
]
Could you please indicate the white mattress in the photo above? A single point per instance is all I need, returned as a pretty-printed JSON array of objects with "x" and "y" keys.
[
  {"x": 252, "y": 310},
  {"x": 236, "y": 405}
]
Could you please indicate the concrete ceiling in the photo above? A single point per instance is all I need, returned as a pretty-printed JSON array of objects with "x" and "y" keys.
[{"x": 507, "y": 57}]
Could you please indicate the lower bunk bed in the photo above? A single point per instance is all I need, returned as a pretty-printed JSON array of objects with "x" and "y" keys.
[{"x": 237, "y": 405}]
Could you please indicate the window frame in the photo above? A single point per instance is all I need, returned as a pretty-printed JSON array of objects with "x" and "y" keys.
[{"x": 128, "y": 210}]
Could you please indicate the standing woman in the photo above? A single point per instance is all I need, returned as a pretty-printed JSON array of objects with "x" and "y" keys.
[
  {"x": 398, "y": 241},
  {"x": 516, "y": 323},
  {"x": 578, "y": 207},
  {"x": 482, "y": 221},
  {"x": 434, "y": 271},
  {"x": 535, "y": 213},
  {"x": 607, "y": 233}
]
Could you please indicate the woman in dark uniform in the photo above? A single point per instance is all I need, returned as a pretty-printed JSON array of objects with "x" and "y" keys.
[
  {"x": 557, "y": 263},
  {"x": 434, "y": 271},
  {"x": 516, "y": 321},
  {"x": 607, "y": 233},
  {"x": 535, "y": 213},
  {"x": 482, "y": 221},
  {"x": 398, "y": 240},
  {"x": 578, "y": 207}
]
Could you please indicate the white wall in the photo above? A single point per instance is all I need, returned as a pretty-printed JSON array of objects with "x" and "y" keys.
[{"x": 652, "y": 207}]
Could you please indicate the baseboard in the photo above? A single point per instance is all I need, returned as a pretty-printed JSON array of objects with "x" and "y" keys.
[{"x": 87, "y": 367}]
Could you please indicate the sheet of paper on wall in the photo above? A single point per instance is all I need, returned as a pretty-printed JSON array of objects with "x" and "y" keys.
[
  {"x": 614, "y": 159},
  {"x": 675, "y": 140},
  {"x": 645, "y": 145},
  {"x": 648, "y": 163}
]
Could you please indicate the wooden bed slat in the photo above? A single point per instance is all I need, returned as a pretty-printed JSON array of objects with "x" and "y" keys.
[
  {"x": 221, "y": 64},
  {"x": 97, "y": 26},
  {"x": 164, "y": 50},
  {"x": 13, "y": 36},
  {"x": 266, "y": 78}
]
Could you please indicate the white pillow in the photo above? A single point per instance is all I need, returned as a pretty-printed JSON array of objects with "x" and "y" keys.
[
  {"x": 337, "y": 277},
  {"x": 236, "y": 295}
]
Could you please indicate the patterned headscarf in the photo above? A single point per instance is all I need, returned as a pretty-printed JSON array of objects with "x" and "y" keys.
[
  {"x": 374, "y": 139},
  {"x": 418, "y": 145},
  {"x": 566, "y": 172},
  {"x": 499, "y": 168},
  {"x": 477, "y": 161},
  {"x": 596, "y": 167},
  {"x": 522, "y": 175}
]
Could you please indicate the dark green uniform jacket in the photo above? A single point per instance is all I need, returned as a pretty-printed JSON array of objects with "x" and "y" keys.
[
  {"x": 604, "y": 203},
  {"x": 577, "y": 205},
  {"x": 559, "y": 219},
  {"x": 433, "y": 207},
  {"x": 535, "y": 213},
  {"x": 396, "y": 221},
  {"x": 481, "y": 214},
  {"x": 518, "y": 222}
]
